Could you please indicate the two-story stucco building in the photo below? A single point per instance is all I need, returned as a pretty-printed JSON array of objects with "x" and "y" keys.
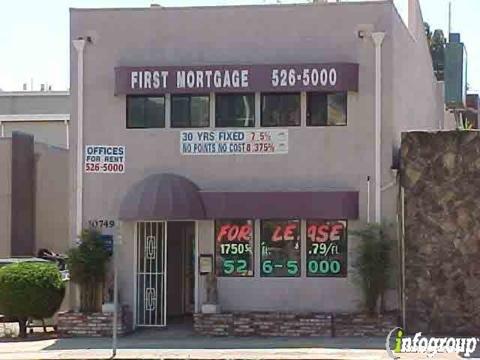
[{"x": 244, "y": 141}]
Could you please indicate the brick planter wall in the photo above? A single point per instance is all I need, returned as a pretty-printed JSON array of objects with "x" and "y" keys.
[
  {"x": 213, "y": 324},
  {"x": 290, "y": 324},
  {"x": 71, "y": 323},
  {"x": 364, "y": 325}
]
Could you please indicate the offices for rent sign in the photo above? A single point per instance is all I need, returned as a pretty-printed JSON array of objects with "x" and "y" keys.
[
  {"x": 109, "y": 159},
  {"x": 234, "y": 142}
]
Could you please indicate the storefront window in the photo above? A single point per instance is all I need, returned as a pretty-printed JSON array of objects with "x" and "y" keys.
[
  {"x": 234, "y": 110},
  {"x": 190, "y": 111},
  {"x": 326, "y": 109},
  {"x": 280, "y": 248},
  {"x": 145, "y": 112},
  {"x": 326, "y": 248},
  {"x": 281, "y": 109},
  {"x": 234, "y": 247}
]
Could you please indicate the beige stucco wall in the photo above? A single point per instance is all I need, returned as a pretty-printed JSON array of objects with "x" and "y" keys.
[
  {"x": 318, "y": 158},
  {"x": 418, "y": 100},
  {"x": 49, "y": 132},
  {"x": 51, "y": 198},
  {"x": 283, "y": 294},
  {"x": 44, "y": 102},
  {"x": 5, "y": 195}
]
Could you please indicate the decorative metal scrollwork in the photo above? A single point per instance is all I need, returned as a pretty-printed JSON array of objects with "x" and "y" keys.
[
  {"x": 151, "y": 247},
  {"x": 150, "y": 299}
]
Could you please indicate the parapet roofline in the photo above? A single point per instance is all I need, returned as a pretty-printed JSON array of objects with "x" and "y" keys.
[
  {"x": 244, "y": 6},
  {"x": 35, "y": 93}
]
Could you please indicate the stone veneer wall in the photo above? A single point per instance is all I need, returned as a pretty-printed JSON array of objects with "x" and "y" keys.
[
  {"x": 289, "y": 324},
  {"x": 440, "y": 173},
  {"x": 72, "y": 323}
]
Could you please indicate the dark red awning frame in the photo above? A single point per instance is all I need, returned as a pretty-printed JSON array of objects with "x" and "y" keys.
[
  {"x": 281, "y": 204},
  {"x": 173, "y": 197}
]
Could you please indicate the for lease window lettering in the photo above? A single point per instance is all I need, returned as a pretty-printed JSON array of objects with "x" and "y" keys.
[
  {"x": 280, "y": 248},
  {"x": 234, "y": 247}
]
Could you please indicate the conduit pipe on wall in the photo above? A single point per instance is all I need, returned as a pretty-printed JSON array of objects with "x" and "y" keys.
[
  {"x": 67, "y": 137},
  {"x": 393, "y": 182},
  {"x": 79, "y": 45},
  {"x": 402, "y": 244},
  {"x": 368, "y": 199},
  {"x": 377, "y": 38}
]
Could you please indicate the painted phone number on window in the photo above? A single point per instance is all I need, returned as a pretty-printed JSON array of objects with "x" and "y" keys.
[{"x": 233, "y": 142}]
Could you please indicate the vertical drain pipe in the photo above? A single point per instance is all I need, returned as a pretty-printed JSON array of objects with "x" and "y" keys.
[
  {"x": 67, "y": 130},
  {"x": 79, "y": 45},
  {"x": 378, "y": 40},
  {"x": 368, "y": 199}
]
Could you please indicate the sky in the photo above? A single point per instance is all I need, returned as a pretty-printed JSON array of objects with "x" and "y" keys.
[{"x": 34, "y": 34}]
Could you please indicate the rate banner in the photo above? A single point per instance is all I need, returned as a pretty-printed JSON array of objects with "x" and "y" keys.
[{"x": 234, "y": 142}]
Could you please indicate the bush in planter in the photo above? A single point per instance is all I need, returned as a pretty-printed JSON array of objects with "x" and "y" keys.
[
  {"x": 374, "y": 264},
  {"x": 87, "y": 266},
  {"x": 30, "y": 290}
]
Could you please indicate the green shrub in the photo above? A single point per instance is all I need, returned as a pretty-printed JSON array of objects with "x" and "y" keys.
[
  {"x": 30, "y": 290},
  {"x": 374, "y": 264},
  {"x": 87, "y": 265}
]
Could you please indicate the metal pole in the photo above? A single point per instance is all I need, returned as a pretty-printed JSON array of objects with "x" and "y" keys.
[
  {"x": 79, "y": 45},
  {"x": 116, "y": 242},
  {"x": 449, "y": 18},
  {"x": 378, "y": 40},
  {"x": 368, "y": 199},
  {"x": 402, "y": 239}
]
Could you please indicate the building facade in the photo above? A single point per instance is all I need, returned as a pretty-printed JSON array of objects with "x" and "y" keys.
[
  {"x": 33, "y": 196},
  {"x": 34, "y": 172},
  {"x": 245, "y": 141},
  {"x": 45, "y": 114}
]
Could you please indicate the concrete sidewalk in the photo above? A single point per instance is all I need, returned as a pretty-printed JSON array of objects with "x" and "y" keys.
[{"x": 156, "y": 344}]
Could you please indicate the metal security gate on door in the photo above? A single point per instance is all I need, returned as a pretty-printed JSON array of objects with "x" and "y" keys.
[{"x": 151, "y": 273}]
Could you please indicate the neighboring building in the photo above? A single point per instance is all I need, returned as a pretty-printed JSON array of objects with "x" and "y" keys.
[
  {"x": 455, "y": 73},
  {"x": 33, "y": 196},
  {"x": 45, "y": 114},
  {"x": 455, "y": 85},
  {"x": 473, "y": 114},
  {"x": 33, "y": 172},
  {"x": 245, "y": 135}
]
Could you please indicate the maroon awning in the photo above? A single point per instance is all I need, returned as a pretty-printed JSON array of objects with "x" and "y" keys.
[
  {"x": 173, "y": 197},
  {"x": 281, "y": 204},
  {"x": 162, "y": 197}
]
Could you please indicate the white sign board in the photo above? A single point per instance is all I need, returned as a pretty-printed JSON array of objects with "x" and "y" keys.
[
  {"x": 108, "y": 159},
  {"x": 234, "y": 142}
]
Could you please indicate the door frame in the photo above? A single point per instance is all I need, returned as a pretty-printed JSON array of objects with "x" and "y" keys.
[
  {"x": 196, "y": 290},
  {"x": 135, "y": 274}
]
